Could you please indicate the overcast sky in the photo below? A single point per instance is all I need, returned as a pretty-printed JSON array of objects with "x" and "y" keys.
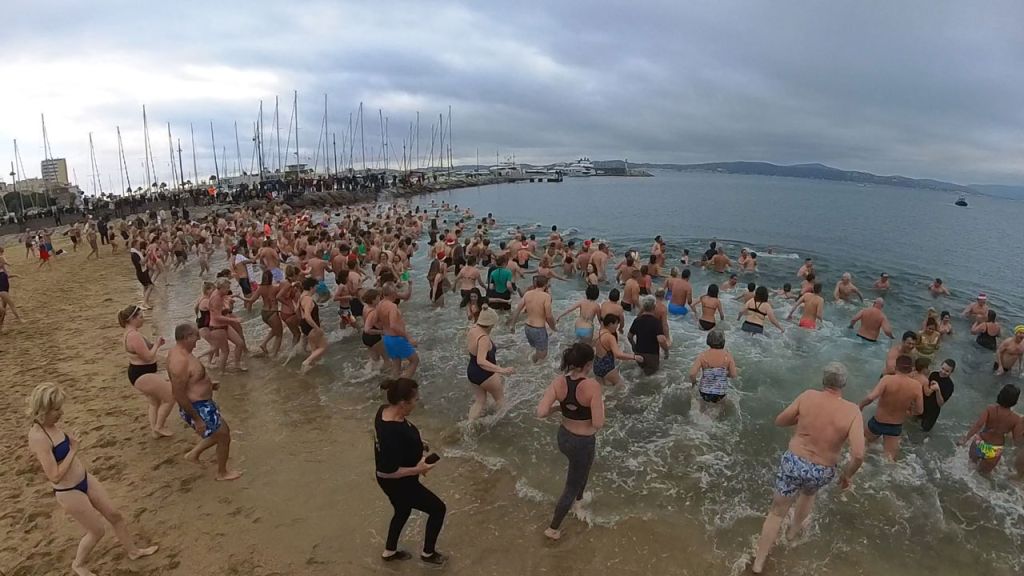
[{"x": 923, "y": 89}]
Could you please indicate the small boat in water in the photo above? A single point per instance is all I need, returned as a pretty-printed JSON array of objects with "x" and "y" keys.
[{"x": 961, "y": 201}]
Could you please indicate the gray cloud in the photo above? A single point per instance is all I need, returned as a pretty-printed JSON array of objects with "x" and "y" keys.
[{"x": 927, "y": 89}]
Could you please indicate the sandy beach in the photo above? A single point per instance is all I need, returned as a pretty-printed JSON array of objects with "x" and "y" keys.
[{"x": 307, "y": 504}]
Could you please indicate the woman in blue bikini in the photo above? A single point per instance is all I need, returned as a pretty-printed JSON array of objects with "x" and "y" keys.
[
  {"x": 607, "y": 349},
  {"x": 589, "y": 309},
  {"x": 79, "y": 494}
]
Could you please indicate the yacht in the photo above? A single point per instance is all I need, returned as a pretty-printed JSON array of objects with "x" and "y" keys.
[
  {"x": 581, "y": 167},
  {"x": 961, "y": 201}
]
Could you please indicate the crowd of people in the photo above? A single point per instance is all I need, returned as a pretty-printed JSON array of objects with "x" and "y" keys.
[{"x": 299, "y": 267}]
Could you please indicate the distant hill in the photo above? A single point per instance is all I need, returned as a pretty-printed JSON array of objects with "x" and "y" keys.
[
  {"x": 815, "y": 171},
  {"x": 998, "y": 190}
]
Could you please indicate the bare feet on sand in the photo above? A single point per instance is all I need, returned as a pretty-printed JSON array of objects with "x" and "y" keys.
[
  {"x": 229, "y": 475},
  {"x": 162, "y": 433},
  {"x": 81, "y": 570},
  {"x": 552, "y": 533},
  {"x": 143, "y": 552}
]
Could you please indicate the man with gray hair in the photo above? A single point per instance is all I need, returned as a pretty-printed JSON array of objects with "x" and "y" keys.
[
  {"x": 193, "y": 391},
  {"x": 824, "y": 422},
  {"x": 647, "y": 336}
]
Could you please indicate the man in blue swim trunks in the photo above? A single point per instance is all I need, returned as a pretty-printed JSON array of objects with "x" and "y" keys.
[
  {"x": 894, "y": 392},
  {"x": 537, "y": 303},
  {"x": 193, "y": 391},
  {"x": 824, "y": 422},
  {"x": 680, "y": 292},
  {"x": 399, "y": 346}
]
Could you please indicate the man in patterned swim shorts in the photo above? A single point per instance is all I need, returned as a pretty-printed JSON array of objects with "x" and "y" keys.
[{"x": 824, "y": 423}]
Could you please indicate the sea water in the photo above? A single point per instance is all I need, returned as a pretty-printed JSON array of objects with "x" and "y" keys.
[{"x": 658, "y": 457}]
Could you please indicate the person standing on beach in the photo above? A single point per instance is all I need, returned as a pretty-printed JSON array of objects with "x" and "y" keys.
[
  {"x": 824, "y": 421},
  {"x": 6, "y": 302},
  {"x": 537, "y": 303},
  {"x": 872, "y": 322},
  {"x": 193, "y": 391},
  {"x": 400, "y": 458},
  {"x": 579, "y": 399},
  {"x": 80, "y": 494},
  {"x": 142, "y": 370},
  {"x": 398, "y": 344},
  {"x": 899, "y": 396}
]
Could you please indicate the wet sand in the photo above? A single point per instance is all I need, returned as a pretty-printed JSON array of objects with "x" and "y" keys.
[{"x": 308, "y": 503}]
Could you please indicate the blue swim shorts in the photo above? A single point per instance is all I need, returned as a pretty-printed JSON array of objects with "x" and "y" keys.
[
  {"x": 398, "y": 347},
  {"x": 210, "y": 414},
  {"x": 797, "y": 474}
]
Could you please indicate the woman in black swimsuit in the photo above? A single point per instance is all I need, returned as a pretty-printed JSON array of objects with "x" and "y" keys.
[
  {"x": 309, "y": 323},
  {"x": 80, "y": 494},
  {"x": 142, "y": 370},
  {"x": 483, "y": 370},
  {"x": 141, "y": 273},
  {"x": 372, "y": 334},
  {"x": 988, "y": 332}
]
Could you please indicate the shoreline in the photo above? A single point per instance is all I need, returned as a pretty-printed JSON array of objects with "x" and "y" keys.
[{"x": 259, "y": 524}]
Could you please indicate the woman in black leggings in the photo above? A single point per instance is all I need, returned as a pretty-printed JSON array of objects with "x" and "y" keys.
[
  {"x": 401, "y": 457},
  {"x": 579, "y": 399}
]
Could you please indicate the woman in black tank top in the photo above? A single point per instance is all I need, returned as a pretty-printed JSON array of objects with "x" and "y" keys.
[{"x": 578, "y": 398}]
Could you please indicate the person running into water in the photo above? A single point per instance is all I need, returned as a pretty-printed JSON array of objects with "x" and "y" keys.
[
  {"x": 756, "y": 311},
  {"x": 845, "y": 290},
  {"x": 988, "y": 433},
  {"x": 814, "y": 308},
  {"x": 988, "y": 332},
  {"x": 400, "y": 458},
  {"x": 714, "y": 367},
  {"x": 270, "y": 314},
  {"x": 579, "y": 400},
  {"x": 1009, "y": 352},
  {"x": 899, "y": 396},
  {"x": 679, "y": 291},
  {"x": 612, "y": 306},
  {"x": 824, "y": 422},
  {"x": 710, "y": 305},
  {"x": 371, "y": 333},
  {"x": 142, "y": 370},
  {"x": 309, "y": 324},
  {"x": 647, "y": 337},
  {"x": 607, "y": 349},
  {"x": 537, "y": 303},
  {"x": 872, "y": 322},
  {"x": 400, "y": 346},
  {"x": 905, "y": 347},
  {"x": 589, "y": 309},
  {"x": 483, "y": 370},
  {"x": 193, "y": 391},
  {"x": 80, "y": 494},
  {"x": 938, "y": 391}
]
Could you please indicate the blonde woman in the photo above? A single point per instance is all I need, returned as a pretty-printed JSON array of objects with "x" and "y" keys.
[
  {"x": 142, "y": 370},
  {"x": 82, "y": 496}
]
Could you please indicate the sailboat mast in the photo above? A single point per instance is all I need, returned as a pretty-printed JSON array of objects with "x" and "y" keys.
[
  {"x": 181, "y": 168},
  {"x": 450, "y": 140},
  {"x": 418, "y": 139},
  {"x": 362, "y": 135},
  {"x": 92, "y": 163},
  {"x": 295, "y": 108},
  {"x": 326, "y": 161},
  {"x": 334, "y": 139},
  {"x": 276, "y": 127},
  {"x": 195, "y": 165},
  {"x": 145, "y": 130},
  {"x": 170, "y": 146},
  {"x": 122, "y": 163},
  {"x": 216, "y": 167},
  {"x": 238, "y": 150}
]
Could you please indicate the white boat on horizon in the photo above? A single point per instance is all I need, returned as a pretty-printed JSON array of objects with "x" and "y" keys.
[{"x": 580, "y": 168}]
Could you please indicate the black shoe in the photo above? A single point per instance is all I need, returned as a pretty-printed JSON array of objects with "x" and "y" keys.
[
  {"x": 437, "y": 559},
  {"x": 398, "y": 555}
]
